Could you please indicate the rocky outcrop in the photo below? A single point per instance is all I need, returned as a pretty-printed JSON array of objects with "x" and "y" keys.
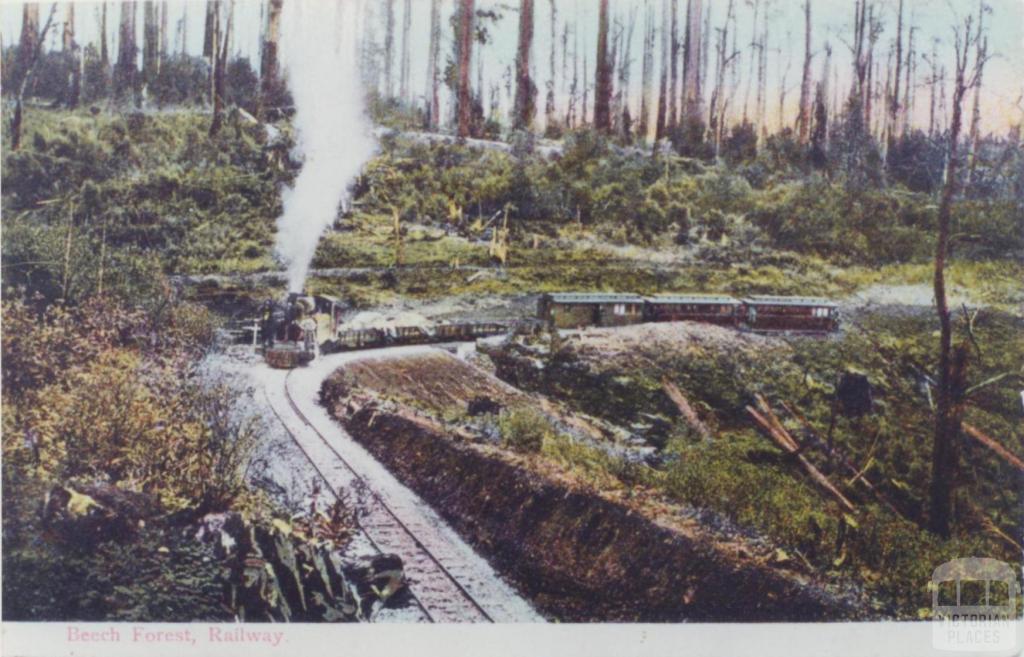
[
  {"x": 269, "y": 570},
  {"x": 274, "y": 573}
]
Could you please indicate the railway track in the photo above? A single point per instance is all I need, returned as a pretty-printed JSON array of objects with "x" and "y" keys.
[{"x": 448, "y": 581}]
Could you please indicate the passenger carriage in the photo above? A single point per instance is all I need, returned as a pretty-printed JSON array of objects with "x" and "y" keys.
[
  {"x": 774, "y": 313},
  {"x": 707, "y": 308},
  {"x": 566, "y": 310}
]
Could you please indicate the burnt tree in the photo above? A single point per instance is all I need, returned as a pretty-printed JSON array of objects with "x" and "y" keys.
[
  {"x": 150, "y": 41},
  {"x": 660, "y": 122},
  {"x": 389, "y": 46},
  {"x": 673, "y": 86},
  {"x": 952, "y": 374},
  {"x": 550, "y": 119},
  {"x": 464, "y": 95},
  {"x": 646, "y": 72},
  {"x": 433, "y": 66},
  {"x": 30, "y": 49},
  {"x": 803, "y": 119},
  {"x": 403, "y": 71},
  {"x": 270, "y": 74},
  {"x": 603, "y": 83},
  {"x": 526, "y": 91},
  {"x": 125, "y": 71}
]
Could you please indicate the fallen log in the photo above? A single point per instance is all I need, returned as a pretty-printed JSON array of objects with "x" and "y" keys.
[
  {"x": 993, "y": 445},
  {"x": 683, "y": 404},
  {"x": 786, "y": 442},
  {"x": 857, "y": 475}
]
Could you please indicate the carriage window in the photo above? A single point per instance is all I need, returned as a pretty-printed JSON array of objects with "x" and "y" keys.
[{"x": 620, "y": 309}]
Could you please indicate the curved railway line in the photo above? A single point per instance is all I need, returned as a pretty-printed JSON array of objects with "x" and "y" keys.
[{"x": 447, "y": 580}]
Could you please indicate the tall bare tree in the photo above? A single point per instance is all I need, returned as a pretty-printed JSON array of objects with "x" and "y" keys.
[
  {"x": 974, "y": 136},
  {"x": 389, "y": 47},
  {"x": 434, "y": 67},
  {"x": 952, "y": 374},
  {"x": 894, "y": 100},
  {"x": 603, "y": 86},
  {"x": 72, "y": 53},
  {"x": 464, "y": 94},
  {"x": 646, "y": 72},
  {"x": 270, "y": 73},
  {"x": 30, "y": 49},
  {"x": 526, "y": 90},
  {"x": 221, "y": 48},
  {"x": 163, "y": 33},
  {"x": 692, "y": 109},
  {"x": 150, "y": 41},
  {"x": 752, "y": 60},
  {"x": 125, "y": 71},
  {"x": 403, "y": 72},
  {"x": 550, "y": 119},
  {"x": 803, "y": 119},
  {"x": 625, "y": 118},
  {"x": 104, "y": 53},
  {"x": 673, "y": 88},
  {"x": 666, "y": 36}
]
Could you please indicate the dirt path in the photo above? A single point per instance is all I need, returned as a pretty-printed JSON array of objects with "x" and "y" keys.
[{"x": 452, "y": 582}]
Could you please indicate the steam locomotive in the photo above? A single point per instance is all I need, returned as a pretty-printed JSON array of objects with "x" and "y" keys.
[{"x": 293, "y": 331}]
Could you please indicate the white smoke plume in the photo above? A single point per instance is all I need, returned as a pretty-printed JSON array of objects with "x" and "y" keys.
[{"x": 333, "y": 132}]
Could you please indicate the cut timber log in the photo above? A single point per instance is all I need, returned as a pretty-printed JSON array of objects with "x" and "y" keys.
[
  {"x": 785, "y": 441},
  {"x": 857, "y": 475},
  {"x": 683, "y": 404},
  {"x": 993, "y": 445}
]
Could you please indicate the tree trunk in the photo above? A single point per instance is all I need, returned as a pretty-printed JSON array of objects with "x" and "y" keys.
[
  {"x": 73, "y": 55},
  {"x": 67, "y": 39},
  {"x": 803, "y": 121},
  {"x": 660, "y": 124},
  {"x": 30, "y": 47},
  {"x": 549, "y": 105},
  {"x": 975, "y": 132},
  {"x": 894, "y": 101},
  {"x": 269, "y": 68},
  {"x": 465, "y": 43},
  {"x": 221, "y": 43},
  {"x": 673, "y": 87},
  {"x": 433, "y": 70},
  {"x": 526, "y": 92},
  {"x": 933, "y": 84},
  {"x": 126, "y": 73},
  {"x": 389, "y": 46},
  {"x": 952, "y": 366},
  {"x": 751, "y": 74},
  {"x": 104, "y": 53},
  {"x": 646, "y": 73},
  {"x": 150, "y": 41},
  {"x": 691, "y": 62},
  {"x": 622, "y": 92},
  {"x": 163, "y": 35},
  {"x": 908, "y": 92},
  {"x": 403, "y": 84},
  {"x": 603, "y": 87}
]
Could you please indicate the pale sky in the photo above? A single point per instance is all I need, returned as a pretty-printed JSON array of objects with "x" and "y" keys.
[{"x": 1002, "y": 103}]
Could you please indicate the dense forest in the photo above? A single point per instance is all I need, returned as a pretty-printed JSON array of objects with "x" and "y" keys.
[{"x": 647, "y": 146}]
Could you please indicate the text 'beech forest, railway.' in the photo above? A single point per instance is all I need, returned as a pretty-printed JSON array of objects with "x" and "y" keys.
[{"x": 480, "y": 311}]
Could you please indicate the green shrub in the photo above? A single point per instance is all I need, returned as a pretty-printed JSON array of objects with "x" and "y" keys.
[{"x": 524, "y": 430}]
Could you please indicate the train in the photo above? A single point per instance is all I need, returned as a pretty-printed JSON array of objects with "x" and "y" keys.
[
  {"x": 568, "y": 310},
  {"x": 296, "y": 330},
  {"x": 293, "y": 332}
]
